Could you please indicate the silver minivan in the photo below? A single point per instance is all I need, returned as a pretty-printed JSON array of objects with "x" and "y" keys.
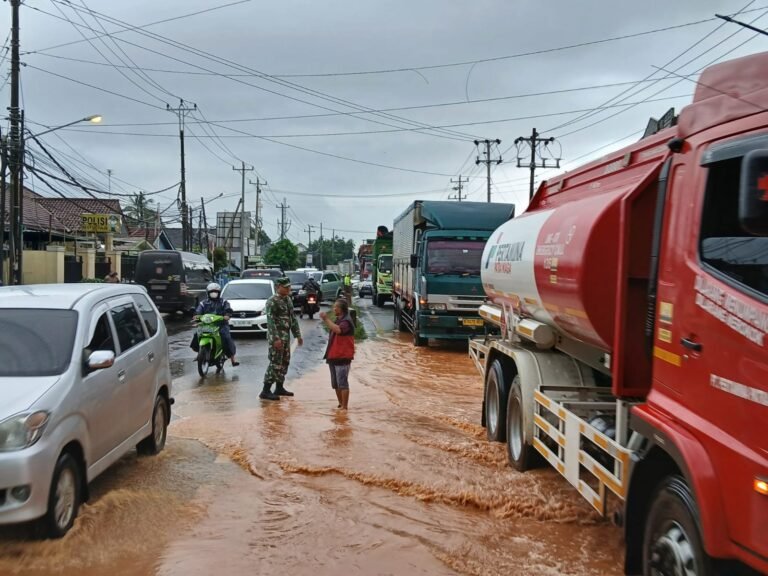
[{"x": 84, "y": 378}]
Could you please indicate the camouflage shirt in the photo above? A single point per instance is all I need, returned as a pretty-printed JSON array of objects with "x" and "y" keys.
[{"x": 280, "y": 319}]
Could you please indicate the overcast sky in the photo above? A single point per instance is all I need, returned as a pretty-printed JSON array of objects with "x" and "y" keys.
[{"x": 278, "y": 83}]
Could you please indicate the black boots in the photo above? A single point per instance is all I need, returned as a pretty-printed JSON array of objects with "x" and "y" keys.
[
  {"x": 266, "y": 394},
  {"x": 280, "y": 391}
]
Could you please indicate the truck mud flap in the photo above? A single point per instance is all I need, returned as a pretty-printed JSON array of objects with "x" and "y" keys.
[{"x": 573, "y": 448}]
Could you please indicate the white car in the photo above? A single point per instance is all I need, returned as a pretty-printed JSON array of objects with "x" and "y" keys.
[{"x": 248, "y": 298}]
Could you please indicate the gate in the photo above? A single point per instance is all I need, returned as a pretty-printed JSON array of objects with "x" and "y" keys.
[
  {"x": 102, "y": 267},
  {"x": 128, "y": 267},
  {"x": 73, "y": 269}
]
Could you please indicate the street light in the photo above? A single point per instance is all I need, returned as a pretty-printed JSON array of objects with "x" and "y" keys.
[
  {"x": 95, "y": 119},
  {"x": 16, "y": 228}
]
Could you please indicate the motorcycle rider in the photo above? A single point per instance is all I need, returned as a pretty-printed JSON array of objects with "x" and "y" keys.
[
  {"x": 215, "y": 304},
  {"x": 311, "y": 286}
]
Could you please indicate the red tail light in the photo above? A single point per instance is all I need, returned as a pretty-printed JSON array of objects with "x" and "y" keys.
[{"x": 312, "y": 300}]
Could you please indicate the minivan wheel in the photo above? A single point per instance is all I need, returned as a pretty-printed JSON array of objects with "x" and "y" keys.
[
  {"x": 63, "y": 499},
  {"x": 155, "y": 442}
]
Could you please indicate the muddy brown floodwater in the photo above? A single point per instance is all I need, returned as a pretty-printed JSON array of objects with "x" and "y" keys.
[{"x": 404, "y": 483}]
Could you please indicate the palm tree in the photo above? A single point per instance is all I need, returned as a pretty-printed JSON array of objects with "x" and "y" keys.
[{"x": 140, "y": 211}]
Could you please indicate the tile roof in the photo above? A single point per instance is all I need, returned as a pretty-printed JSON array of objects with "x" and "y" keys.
[{"x": 69, "y": 211}]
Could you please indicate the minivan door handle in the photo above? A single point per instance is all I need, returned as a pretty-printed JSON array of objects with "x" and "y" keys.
[
  {"x": 151, "y": 356},
  {"x": 121, "y": 376},
  {"x": 691, "y": 345}
]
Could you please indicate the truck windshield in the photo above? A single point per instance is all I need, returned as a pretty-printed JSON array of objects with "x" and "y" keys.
[
  {"x": 27, "y": 329},
  {"x": 454, "y": 256},
  {"x": 385, "y": 264}
]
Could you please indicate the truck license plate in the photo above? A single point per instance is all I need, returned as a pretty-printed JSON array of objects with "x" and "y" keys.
[{"x": 472, "y": 322}]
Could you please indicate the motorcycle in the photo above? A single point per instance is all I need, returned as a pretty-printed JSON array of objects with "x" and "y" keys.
[
  {"x": 211, "y": 349},
  {"x": 310, "y": 305}
]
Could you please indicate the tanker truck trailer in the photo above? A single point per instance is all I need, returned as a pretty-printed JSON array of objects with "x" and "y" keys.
[{"x": 631, "y": 300}]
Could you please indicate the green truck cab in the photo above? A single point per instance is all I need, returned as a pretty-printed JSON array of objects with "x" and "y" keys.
[
  {"x": 437, "y": 250},
  {"x": 381, "y": 281}
]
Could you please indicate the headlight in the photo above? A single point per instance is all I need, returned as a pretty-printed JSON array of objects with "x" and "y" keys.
[
  {"x": 437, "y": 307},
  {"x": 21, "y": 431}
]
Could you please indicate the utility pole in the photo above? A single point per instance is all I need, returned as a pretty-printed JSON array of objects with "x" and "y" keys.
[
  {"x": 243, "y": 238},
  {"x": 204, "y": 222},
  {"x": 190, "y": 219},
  {"x": 488, "y": 159},
  {"x": 459, "y": 187},
  {"x": 333, "y": 239},
  {"x": 109, "y": 180},
  {"x": 181, "y": 112},
  {"x": 321, "y": 246},
  {"x": 257, "y": 220},
  {"x": 283, "y": 207},
  {"x": 228, "y": 240},
  {"x": 309, "y": 232},
  {"x": 3, "y": 192},
  {"x": 534, "y": 142},
  {"x": 15, "y": 151}
]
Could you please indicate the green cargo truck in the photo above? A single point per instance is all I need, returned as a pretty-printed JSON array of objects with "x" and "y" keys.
[
  {"x": 437, "y": 249},
  {"x": 381, "y": 281}
]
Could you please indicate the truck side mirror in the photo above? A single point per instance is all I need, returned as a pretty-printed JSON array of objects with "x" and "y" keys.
[
  {"x": 753, "y": 193},
  {"x": 414, "y": 261}
]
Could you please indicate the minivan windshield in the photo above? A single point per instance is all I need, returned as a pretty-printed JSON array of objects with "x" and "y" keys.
[
  {"x": 297, "y": 277},
  {"x": 22, "y": 330}
]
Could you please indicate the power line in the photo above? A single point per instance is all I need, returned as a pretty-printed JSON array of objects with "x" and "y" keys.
[{"x": 267, "y": 77}]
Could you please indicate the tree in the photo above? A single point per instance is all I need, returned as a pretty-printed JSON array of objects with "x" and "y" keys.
[
  {"x": 334, "y": 250},
  {"x": 219, "y": 258},
  {"x": 140, "y": 211},
  {"x": 284, "y": 254}
]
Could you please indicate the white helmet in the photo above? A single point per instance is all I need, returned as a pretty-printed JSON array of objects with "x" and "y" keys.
[{"x": 213, "y": 287}]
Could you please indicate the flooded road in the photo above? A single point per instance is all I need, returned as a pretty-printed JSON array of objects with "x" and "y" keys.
[{"x": 404, "y": 483}]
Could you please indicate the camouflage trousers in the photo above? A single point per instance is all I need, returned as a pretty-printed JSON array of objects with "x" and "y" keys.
[{"x": 278, "y": 365}]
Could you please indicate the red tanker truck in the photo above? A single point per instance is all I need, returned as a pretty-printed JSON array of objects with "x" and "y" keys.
[{"x": 632, "y": 303}]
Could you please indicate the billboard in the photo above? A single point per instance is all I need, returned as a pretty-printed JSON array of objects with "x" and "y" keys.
[{"x": 101, "y": 223}]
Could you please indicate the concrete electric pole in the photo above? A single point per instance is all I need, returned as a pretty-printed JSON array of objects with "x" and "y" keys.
[
  {"x": 243, "y": 223},
  {"x": 488, "y": 159},
  {"x": 534, "y": 142},
  {"x": 181, "y": 112},
  {"x": 459, "y": 187}
]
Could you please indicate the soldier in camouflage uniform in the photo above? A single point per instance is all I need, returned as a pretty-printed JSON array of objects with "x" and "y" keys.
[{"x": 280, "y": 324}]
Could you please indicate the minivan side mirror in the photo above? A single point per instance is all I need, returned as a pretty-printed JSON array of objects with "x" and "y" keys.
[
  {"x": 101, "y": 359},
  {"x": 753, "y": 193},
  {"x": 414, "y": 260}
]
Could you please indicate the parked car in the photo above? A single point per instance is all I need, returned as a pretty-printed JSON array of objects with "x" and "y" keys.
[
  {"x": 261, "y": 273},
  {"x": 248, "y": 299},
  {"x": 84, "y": 378},
  {"x": 176, "y": 281},
  {"x": 366, "y": 289}
]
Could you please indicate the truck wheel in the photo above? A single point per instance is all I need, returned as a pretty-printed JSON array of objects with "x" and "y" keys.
[
  {"x": 399, "y": 323},
  {"x": 418, "y": 340},
  {"x": 496, "y": 404},
  {"x": 520, "y": 452},
  {"x": 672, "y": 543}
]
